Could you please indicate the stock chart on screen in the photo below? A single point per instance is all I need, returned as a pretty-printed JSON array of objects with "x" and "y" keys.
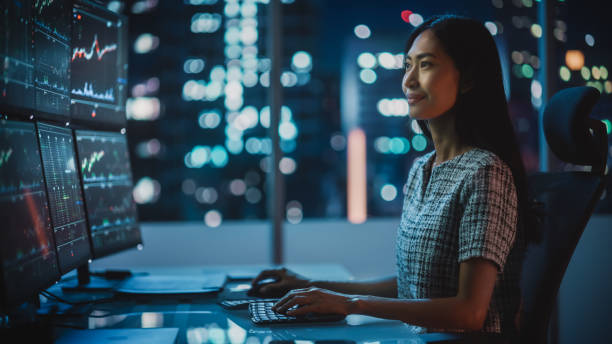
[
  {"x": 104, "y": 164},
  {"x": 65, "y": 196},
  {"x": 98, "y": 66},
  {"x": 27, "y": 249},
  {"x": 16, "y": 54},
  {"x": 51, "y": 31},
  {"x": 35, "y": 56}
]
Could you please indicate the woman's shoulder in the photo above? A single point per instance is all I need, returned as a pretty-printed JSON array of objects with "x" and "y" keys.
[{"x": 482, "y": 159}]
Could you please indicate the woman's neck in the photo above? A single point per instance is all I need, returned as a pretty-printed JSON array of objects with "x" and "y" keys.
[{"x": 445, "y": 138}]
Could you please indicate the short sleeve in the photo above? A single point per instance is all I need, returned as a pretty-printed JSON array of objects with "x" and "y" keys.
[{"x": 487, "y": 228}]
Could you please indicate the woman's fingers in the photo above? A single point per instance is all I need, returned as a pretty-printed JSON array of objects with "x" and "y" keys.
[
  {"x": 283, "y": 300},
  {"x": 303, "y": 310},
  {"x": 299, "y": 300}
]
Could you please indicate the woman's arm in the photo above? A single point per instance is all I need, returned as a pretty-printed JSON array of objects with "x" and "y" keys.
[
  {"x": 386, "y": 287},
  {"x": 467, "y": 310},
  {"x": 286, "y": 280}
]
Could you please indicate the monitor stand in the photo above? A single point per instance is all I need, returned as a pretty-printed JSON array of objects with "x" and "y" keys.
[{"x": 87, "y": 282}]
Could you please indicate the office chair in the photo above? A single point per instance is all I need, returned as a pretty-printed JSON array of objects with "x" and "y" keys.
[{"x": 567, "y": 201}]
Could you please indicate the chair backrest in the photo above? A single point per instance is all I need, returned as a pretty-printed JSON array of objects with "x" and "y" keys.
[{"x": 567, "y": 201}]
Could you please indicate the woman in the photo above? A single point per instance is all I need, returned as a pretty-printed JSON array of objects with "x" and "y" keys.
[{"x": 460, "y": 240}]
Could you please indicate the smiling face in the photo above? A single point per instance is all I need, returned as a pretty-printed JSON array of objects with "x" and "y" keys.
[{"x": 431, "y": 79}]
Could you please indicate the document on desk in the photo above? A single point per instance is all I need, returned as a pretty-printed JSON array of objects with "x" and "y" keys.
[{"x": 120, "y": 336}]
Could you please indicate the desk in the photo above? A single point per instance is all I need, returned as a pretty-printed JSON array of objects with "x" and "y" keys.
[{"x": 201, "y": 320}]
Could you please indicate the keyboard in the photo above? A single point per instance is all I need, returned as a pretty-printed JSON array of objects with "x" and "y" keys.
[
  {"x": 242, "y": 303},
  {"x": 261, "y": 313}
]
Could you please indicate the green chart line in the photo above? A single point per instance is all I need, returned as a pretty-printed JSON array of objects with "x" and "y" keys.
[{"x": 88, "y": 164}]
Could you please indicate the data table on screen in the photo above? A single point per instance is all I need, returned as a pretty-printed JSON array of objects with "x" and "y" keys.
[{"x": 65, "y": 196}]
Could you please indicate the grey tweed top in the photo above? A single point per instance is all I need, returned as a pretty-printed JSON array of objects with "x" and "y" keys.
[{"x": 466, "y": 207}]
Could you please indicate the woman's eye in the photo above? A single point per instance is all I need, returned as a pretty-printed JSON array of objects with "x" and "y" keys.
[
  {"x": 407, "y": 66},
  {"x": 425, "y": 64}
]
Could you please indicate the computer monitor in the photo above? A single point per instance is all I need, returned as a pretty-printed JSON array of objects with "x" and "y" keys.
[
  {"x": 98, "y": 66},
  {"x": 104, "y": 165},
  {"x": 35, "y": 55},
  {"x": 52, "y": 34},
  {"x": 16, "y": 54},
  {"x": 65, "y": 196},
  {"x": 27, "y": 248}
]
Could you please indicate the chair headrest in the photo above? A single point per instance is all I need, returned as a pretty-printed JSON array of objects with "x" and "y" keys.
[{"x": 569, "y": 131}]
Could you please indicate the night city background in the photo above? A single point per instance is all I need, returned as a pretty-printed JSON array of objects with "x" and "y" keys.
[{"x": 197, "y": 98}]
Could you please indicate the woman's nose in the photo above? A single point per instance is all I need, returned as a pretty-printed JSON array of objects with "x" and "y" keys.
[{"x": 410, "y": 79}]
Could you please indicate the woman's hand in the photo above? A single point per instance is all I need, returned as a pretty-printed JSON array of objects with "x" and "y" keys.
[
  {"x": 286, "y": 280},
  {"x": 314, "y": 300}
]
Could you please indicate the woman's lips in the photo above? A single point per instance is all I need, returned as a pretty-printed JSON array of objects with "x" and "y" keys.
[{"x": 414, "y": 99}]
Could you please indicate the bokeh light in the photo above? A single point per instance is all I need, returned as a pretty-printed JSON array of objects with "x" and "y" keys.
[
  {"x": 287, "y": 131},
  {"x": 287, "y": 165},
  {"x": 146, "y": 190},
  {"x": 301, "y": 61},
  {"x": 206, "y": 195},
  {"x": 574, "y": 59},
  {"x": 536, "y": 30},
  {"x": 595, "y": 72},
  {"x": 368, "y": 76},
  {"x": 213, "y": 218},
  {"x": 366, "y": 60},
  {"x": 419, "y": 142},
  {"x": 491, "y": 27},
  {"x": 589, "y": 40},
  {"x": 237, "y": 187},
  {"x": 388, "y": 192},
  {"x": 527, "y": 71},
  {"x": 362, "y": 31},
  {"x": 586, "y": 73},
  {"x": 565, "y": 73},
  {"x": 219, "y": 156},
  {"x": 386, "y": 60},
  {"x": 415, "y": 19},
  {"x": 146, "y": 43}
]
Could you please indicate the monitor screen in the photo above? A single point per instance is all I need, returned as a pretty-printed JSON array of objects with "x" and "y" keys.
[
  {"x": 16, "y": 54},
  {"x": 27, "y": 249},
  {"x": 65, "y": 196},
  {"x": 51, "y": 32},
  {"x": 107, "y": 185},
  {"x": 98, "y": 66},
  {"x": 35, "y": 55}
]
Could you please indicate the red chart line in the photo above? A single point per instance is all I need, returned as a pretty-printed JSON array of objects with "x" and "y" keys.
[{"x": 94, "y": 50}]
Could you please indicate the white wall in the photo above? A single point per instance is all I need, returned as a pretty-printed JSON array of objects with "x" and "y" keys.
[{"x": 367, "y": 251}]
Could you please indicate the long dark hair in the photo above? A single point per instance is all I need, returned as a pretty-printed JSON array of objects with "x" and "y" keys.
[{"x": 482, "y": 114}]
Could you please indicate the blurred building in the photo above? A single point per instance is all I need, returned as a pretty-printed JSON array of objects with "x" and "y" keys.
[{"x": 198, "y": 116}]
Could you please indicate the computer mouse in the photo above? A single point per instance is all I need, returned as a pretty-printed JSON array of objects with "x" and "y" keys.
[{"x": 255, "y": 290}]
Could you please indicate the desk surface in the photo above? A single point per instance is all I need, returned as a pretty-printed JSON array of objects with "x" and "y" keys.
[{"x": 201, "y": 320}]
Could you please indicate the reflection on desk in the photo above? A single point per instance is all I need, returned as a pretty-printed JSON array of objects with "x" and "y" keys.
[{"x": 200, "y": 319}]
